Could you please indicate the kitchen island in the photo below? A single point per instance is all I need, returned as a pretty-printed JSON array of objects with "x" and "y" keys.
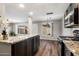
[{"x": 23, "y": 45}]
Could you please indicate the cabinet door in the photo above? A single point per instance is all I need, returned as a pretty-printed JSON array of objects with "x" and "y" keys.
[
  {"x": 68, "y": 52},
  {"x": 18, "y": 49},
  {"x": 25, "y": 47},
  {"x": 29, "y": 47},
  {"x": 32, "y": 45},
  {"x": 62, "y": 48},
  {"x": 37, "y": 42},
  {"x": 76, "y": 21}
]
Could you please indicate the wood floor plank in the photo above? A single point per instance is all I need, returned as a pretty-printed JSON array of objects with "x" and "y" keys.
[
  {"x": 48, "y": 48},
  {"x": 41, "y": 49}
]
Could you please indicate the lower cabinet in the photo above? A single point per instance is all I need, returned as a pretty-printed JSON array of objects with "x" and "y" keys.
[
  {"x": 35, "y": 44},
  {"x": 61, "y": 48},
  {"x": 64, "y": 51},
  {"x": 67, "y": 52},
  {"x": 28, "y": 47},
  {"x": 18, "y": 49}
]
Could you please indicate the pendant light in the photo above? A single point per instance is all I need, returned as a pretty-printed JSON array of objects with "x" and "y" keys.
[{"x": 48, "y": 18}]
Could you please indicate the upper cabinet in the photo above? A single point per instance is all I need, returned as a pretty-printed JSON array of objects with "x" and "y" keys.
[{"x": 71, "y": 16}]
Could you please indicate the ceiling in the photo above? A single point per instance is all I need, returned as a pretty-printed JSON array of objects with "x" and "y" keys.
[{"x": 13, "y": 11}]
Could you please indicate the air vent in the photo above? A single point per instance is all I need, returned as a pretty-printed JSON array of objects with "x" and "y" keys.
[{"x": 49, "y": 13}]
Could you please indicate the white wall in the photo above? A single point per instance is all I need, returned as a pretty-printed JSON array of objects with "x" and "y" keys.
[
  {"x": 35, "y": 28},
  {"x": 57, "y": 27},
  {"x": 14, "y": 27},
  {"x": 40, "y": 28},
  {"x": 2, "y": 14},
  {"x": 57, "y": 24}
]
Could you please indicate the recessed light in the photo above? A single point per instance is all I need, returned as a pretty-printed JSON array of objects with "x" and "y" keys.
[
  {"x": 31, "y": 13},
  {"x": 21, "y": 5}
]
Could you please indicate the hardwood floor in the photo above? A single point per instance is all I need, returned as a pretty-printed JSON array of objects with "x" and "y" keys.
[{"x": 48, "y": 48}]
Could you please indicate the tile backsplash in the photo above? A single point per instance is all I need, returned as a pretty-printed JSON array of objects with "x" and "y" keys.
[{"x": 69, "y": 31}]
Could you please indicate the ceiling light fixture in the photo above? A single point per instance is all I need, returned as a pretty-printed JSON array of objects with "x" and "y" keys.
[
  {"x": 49, "y": 18},
  {"x": 30, "y": 13},
  {"x": 21, "y": 5}
]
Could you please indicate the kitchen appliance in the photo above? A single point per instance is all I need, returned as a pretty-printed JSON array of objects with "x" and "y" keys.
[{"x": 76, "y": 34}]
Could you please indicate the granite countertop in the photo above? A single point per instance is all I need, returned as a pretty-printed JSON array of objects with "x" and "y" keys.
[
  {"x": 48, "y": 38},
  {"x": 73, "y": 46},
  {"x": 15, "y": 39}
]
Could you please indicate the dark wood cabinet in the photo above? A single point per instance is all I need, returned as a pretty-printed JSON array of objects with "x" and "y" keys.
[
  {"x": 18, "y": 49},
  {"x": 61, "y": 48},
  {"x": 27, "y": 47},
  {"x": 64, "y": 51},
  {"x": 67, "y": 52},
  {"x": 36, "y": 43}
]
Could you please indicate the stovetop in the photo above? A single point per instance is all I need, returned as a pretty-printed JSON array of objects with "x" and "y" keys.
[{"x": 74, "y": 38}]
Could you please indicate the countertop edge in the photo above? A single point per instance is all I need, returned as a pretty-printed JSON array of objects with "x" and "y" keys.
[{"x": 6, "y": 42}]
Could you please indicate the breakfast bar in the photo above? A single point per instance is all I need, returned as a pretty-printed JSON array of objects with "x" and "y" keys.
[{"x": 24, "y": 45}]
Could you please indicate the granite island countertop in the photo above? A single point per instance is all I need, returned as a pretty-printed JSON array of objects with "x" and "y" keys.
[
  {"x": 15, "y": 39},
  {"x": 48, "y": 38},
  {"x": 73, "y": 46}
]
